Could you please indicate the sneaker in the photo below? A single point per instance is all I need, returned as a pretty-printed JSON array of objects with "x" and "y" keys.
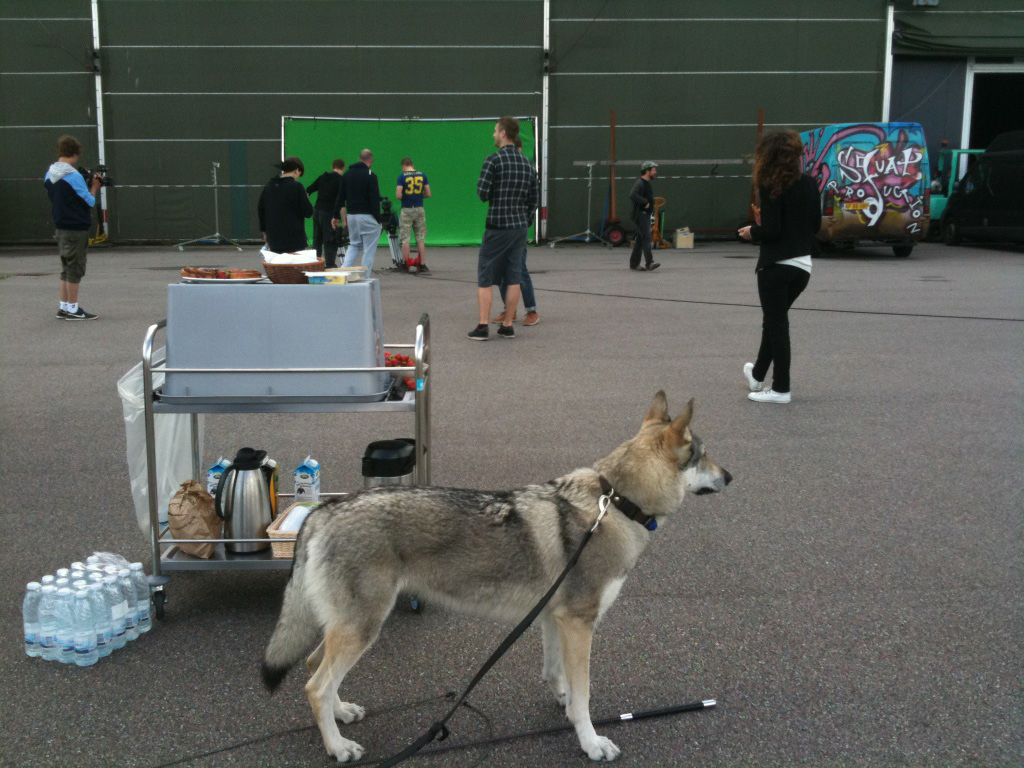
[
  {"x": 634, "y": 268},
  {"x": 653, "y": 266},
  {"x": 754, "y": 384},
  {"x": 81, "y": 314},
  {"x": 423, "y": 268},
  {"x": 62, "y": 314},
  {"x": 532, "y": 318},
  {"x": 480, "y": 333},
  {"x": 769, "y": 396},
  {"x": 641, "y": 268},
  {"x": 499, "y": 319},
  {"x": 507, "y": 332}
]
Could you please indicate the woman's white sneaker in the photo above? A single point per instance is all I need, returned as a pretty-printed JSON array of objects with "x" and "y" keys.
[
  {"x": 769, "y": 396},
  {"x": 754, "y": 384}
]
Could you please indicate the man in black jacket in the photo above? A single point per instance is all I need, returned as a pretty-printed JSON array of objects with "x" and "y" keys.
[
  {"x": 642, "y": 196},
  {"x": 326, "y": 186},
  {"x": 358, "y": 208},
  {"x": 283, "y": 209}
]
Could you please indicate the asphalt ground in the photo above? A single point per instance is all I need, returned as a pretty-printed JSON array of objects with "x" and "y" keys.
[{"x": 854, "y": 598}]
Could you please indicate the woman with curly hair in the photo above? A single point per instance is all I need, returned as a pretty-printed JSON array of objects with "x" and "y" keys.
[{"x": 785, "y": 227}]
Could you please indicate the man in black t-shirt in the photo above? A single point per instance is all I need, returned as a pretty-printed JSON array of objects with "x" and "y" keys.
[{"x": 324, "y": 239}]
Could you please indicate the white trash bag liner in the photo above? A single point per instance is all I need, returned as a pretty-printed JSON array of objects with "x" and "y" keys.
[{"x": 173, "y": 443}]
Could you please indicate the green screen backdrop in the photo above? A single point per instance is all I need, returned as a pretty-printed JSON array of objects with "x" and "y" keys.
[{"x": 449, "y": 152}]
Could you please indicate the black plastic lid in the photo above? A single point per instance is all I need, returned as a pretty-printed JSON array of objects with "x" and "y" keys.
[
  {"x": 248, "y": 458},
  {"x": 389, "y": 458}
]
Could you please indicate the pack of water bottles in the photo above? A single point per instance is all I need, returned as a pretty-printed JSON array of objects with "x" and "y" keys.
[{"x": 80, "y": 614}]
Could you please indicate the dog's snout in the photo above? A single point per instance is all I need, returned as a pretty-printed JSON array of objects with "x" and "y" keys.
[{"x": 728, "y": 476}]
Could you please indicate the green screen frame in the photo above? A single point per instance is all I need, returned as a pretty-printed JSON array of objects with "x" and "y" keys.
[{"x": 450, "y": 152}]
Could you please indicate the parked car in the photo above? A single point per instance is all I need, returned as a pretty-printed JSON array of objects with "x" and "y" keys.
[
  {"x": 988, "y": 202},
  {"x": 874, "y": 182}
]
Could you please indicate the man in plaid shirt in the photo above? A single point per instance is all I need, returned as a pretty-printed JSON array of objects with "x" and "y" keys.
[{"x": 509, "y": 184}]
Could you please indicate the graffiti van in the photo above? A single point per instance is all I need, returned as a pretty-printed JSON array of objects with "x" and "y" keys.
[{"x": 874, "y": 182}]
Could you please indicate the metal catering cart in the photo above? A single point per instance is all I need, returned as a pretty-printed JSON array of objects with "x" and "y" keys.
[{"x": 166, "y": 554}]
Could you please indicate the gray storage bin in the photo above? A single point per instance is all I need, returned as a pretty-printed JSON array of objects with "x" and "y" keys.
[{"x": 271, "y": 326}]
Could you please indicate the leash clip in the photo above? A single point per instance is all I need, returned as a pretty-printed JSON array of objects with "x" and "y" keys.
[{"x": 603, "y": 502}]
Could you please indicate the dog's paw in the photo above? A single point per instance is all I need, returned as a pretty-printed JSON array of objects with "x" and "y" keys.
[
  {"x": 345, "y": 750},
  {"x": 348, "y": 713},
  {"x": 601, "y": 748}
]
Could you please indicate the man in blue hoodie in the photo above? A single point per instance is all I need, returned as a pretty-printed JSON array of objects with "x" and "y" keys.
[{"x": 72, "y": 202}]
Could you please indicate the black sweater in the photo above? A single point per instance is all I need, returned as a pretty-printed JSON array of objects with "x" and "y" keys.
[
  {"x": 326, "y": 187},
  {"x": 283, "y": 206},
  {"x": 359, "y": 192},
  {"x": 789, "y": 223}
]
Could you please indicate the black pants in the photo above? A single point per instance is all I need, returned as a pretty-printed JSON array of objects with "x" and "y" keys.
[
  {"x": 778, "y": 287},
  {"x": 324, "y": 238},
  {"x": 642, "y": 242}
]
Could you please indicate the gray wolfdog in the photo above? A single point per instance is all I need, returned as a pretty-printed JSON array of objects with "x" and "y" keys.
[{"x": 492, "y": 554}]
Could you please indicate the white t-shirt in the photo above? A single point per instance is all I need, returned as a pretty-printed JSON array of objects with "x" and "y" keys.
[{"x": 801, "y": 262}]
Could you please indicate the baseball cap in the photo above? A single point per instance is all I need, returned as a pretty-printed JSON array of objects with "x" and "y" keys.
[{"x": 648, "y": 165}]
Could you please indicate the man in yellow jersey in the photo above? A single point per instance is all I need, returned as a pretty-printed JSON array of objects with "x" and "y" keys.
[{"x": 412, "y": 189}]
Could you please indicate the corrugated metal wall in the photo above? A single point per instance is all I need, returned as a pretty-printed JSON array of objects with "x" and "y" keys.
[{"x": 187, "y": 84}]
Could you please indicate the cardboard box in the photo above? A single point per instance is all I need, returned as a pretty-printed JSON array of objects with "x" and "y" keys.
[{"x": 684, "y": 238}]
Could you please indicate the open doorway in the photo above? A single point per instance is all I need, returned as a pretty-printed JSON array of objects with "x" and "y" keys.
[{"x": 994, "y": 93}]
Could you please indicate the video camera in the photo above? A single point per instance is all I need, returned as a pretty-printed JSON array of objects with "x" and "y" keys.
[
  {"x": 388, "y": 219},
  {"x": 99, "y": 170}
]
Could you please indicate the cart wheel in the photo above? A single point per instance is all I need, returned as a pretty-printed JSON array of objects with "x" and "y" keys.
[
  {"x": 616, "y": 235},
  {"x": 416, "y": 605},
  {"x": 159, "y": 598}
]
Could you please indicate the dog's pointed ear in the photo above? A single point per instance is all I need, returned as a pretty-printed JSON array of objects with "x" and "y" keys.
[
  {"x": 658, "y": 412},
  {"x": 680, "y": 426}
]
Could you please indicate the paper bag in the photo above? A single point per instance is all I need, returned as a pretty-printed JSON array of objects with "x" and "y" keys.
[{"x": 191, "y": 515}]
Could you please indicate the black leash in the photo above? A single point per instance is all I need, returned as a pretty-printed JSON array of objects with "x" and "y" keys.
[{"x": 439, "y": 730}]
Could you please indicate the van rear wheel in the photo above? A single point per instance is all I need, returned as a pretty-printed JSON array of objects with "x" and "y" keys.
[
  {"x": 951, "y": 232},
  {"x": 902, "y": 250}
]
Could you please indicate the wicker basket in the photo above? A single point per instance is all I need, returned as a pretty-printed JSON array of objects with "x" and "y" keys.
[
  {"x": 292, "y": 273},
  {"x": 284, "y": 549}
]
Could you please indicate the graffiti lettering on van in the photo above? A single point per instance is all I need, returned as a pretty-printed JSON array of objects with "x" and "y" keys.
[{"x": 871, "y": 172}]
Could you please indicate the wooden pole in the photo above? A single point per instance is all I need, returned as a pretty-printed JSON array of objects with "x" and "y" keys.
[
  {"x": 613, "y": 217},
  {"x": 753, "y": 191}
]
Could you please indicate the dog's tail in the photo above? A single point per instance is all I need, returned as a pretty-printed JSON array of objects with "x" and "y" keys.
[{"x": 296, "y": 631}]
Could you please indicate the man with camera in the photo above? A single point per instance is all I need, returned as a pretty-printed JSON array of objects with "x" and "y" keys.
[
  {"x": 325, "y": 241},
  {"x": 359, "y": 198},
  {"x": 71, "y": 201}
]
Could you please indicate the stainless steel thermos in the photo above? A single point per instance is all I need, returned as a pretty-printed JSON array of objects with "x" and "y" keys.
[{"x": 243, "y": 500}]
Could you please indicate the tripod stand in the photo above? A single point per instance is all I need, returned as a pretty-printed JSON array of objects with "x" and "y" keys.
[
  {"x": 588, "y": 235},
  {"x": 217, "y": 238}
]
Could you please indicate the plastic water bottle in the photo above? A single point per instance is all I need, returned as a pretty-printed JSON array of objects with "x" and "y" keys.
[
  {"x": 118, "y": 607},
  {"x": 48, "y": 622},
  {"x": 76, "y": 574},
  {"x": 62, "y": 573},
  {"x": 65, "y": 620},
  {"x": 78, "y": 565},
  {"x": 86, "y": 653},
  {"x": 48, "y": 579},
  {"x": 101, "y": 619},
  {"x": 61, "y": 581},
  {"x": 131, "y": 617},
  {"x": 30, "y": 617},
  {"x": 142, "y": 597}
]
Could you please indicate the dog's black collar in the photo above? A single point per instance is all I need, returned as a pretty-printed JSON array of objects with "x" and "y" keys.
[{"x": 627, "y": 507}]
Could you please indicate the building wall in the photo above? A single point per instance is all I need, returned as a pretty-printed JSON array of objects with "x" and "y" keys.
[{"x": 187, "y": 83}]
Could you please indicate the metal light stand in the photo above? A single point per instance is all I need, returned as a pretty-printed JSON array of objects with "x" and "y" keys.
[
  {"x": 216, "y": 237},
  {"x": 589, "y": 235}
]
